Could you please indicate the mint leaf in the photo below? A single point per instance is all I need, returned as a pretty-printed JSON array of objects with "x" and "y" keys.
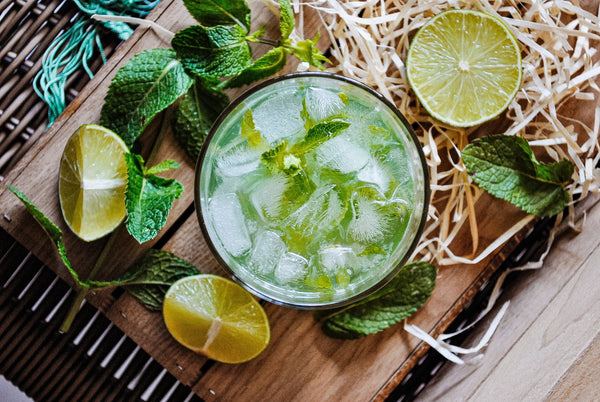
[
  {"x": 505, "y": 167},
  {"x": 220, "y": 12},
  {"x": 50, "y": 228},
  {"x": 270, "y": 63},
  {"x": 273, "y": 158},
  {"x": 286, "y": 18},
  {"x": 195, "y": 115},
  {"x": 148, "y": 199},
  {"x": 393, "y": 303},
  {"x": 249, "y": 131},
  {"x": 150, "y": 277},
  {"x": 219, "y": 51},
  {"x": 318, "y": 134},
  {"x": 162, "y": 167},
  {"x": 147, "y": 84},
  {"x": 307, "y": 51}
]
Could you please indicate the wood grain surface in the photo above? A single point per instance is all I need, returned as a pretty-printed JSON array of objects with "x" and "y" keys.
[
  {"x": 300, "y": 363},
  {"x": 547, "y": 346}
]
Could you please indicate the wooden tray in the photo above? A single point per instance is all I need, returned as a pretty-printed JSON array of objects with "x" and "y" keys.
[{"x": 300, "y": 363}]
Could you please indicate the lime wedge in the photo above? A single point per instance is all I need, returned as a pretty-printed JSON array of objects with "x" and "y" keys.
[
  {"x": 92, "y": 182},
  {"x": 464, "y": 66},
  {"x": 216, "y": 317}
]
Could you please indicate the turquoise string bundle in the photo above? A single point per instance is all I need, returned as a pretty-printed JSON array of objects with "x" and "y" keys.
[{"x": 73, "y": 48}]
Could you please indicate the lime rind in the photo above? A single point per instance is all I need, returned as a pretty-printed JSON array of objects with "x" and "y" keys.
[{"x": 432, "y": 68}]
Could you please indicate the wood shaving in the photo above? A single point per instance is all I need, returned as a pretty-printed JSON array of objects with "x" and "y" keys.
[{"x": 558, "y": 40}]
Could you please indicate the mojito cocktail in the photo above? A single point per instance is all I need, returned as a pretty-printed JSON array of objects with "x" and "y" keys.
[{"x": 312, "y": 190}]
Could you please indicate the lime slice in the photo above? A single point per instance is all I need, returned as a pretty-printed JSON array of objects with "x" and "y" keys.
[
  {"x": 464, "y": 66},
  {"x": 216, "y": 317},
  {"x": 92, "y": 182}
]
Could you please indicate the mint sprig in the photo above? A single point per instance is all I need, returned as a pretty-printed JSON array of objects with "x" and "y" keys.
[
  {"x": 147, "y": 280},
  {"x": 505, "y": 167},
  {"x": 398, "y": 300}
]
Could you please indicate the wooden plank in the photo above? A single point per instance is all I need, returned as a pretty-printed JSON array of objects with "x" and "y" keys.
[
  {"x": 581, "y": 381},
  {"x": 554, "y": 341},
  {"x": 549, "y": 321}
]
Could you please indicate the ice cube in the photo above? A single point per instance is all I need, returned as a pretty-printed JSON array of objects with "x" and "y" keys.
[
  {"x": 373, "y": 217},
  {"x": 228, "y": 220},
  {"x": 334, "y": 258},
  {"x": 279, "y": 117},
  {"x": 292, "y": 268},
  {"x": 239, "y": 160},
  {"x": 267, "y": 196},
  {"x": 268, "y": 249},
  {"x": 375, "y": 172},
  {"x": 341, "y": 154},
  {"x": 322, "y": 104},
  {"x": 320, "y": 213}
]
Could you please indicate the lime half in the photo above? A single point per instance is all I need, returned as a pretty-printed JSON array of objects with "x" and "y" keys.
[
  {"x": 216, "y": 317},
  {"x": 464, "y": 66},
  {"x": 92, "y": 182}
]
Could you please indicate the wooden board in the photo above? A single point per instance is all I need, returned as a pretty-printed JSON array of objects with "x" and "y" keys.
[{"x": 300, "y": 363}]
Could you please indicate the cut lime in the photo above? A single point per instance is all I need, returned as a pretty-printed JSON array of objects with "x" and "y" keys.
[
  {"x": 216, "y": 317},
  {"x": 464, "y": 66},
  {"x": 92, "y": 182}
]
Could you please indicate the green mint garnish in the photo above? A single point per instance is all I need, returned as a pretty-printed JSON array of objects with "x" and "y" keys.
[
  {"x": 150, "y": 277},
  {"x": 273, "y": 158},
  {"x": 318, "y": 134},
  {"x": 396, "y": 301},
  {"x": 505, "y": 167},
  {"x": 148, "y": 198},
  {"x": 151, "y": 81},
  {"x": 249, "y": 131}
]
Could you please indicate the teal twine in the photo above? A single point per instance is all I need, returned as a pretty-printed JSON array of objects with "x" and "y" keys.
[{"x": 72, "y": 49}]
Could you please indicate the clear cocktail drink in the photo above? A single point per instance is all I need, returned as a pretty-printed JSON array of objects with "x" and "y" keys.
[{"x": 312, "y": 190}]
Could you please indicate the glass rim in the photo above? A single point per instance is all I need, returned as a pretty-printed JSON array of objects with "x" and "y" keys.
[{"x": 325, "y": 304}]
